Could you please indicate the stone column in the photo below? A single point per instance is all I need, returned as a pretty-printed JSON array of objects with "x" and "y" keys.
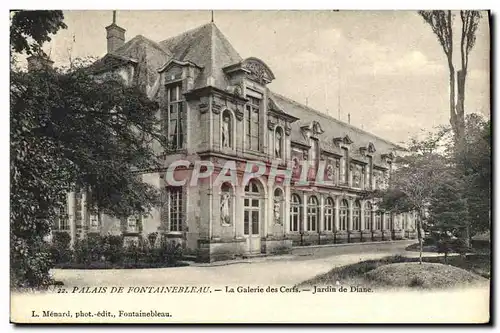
[
  {"x": 337, "y": 214},
  {"x": 362, "y": 216},
  {"x": 349, "y": 220},
  {"x": 304, "y": 216},
  {"x": 71, "y": 216},
  {"x": 321, "y": 226},
  {"x": 287, "y": 197},
  {"x": 85, "y": 215}
]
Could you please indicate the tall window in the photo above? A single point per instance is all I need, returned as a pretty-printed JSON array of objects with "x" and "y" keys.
[
  {"x": 132, "y": 223},
  {"x": 368, "y": 216},
  {"x": 295, "y": 209},
  {"x": 62, "y": 222},
  {"x": 356, "y": 216},
  {"x": 344, "y": 166},
  {"x": 175, "y": 116},
  {"x": 252, "y": 123},
  {"x": 369, "y": 168},
  {"x": 378, "y": 220},
  {"x": 251, "y": 218},
  {"x": 344, "y": 214},
  {"x": 329, "y": 214},
  {"x": 388, "y": 221},
  {"x": 312, "y": 213},
  {"x": 174, "y": 208}
]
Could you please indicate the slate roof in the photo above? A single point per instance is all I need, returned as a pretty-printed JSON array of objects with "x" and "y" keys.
[
  {"x": 208, "y": 48},
  {"x": 332, "y": 127}
]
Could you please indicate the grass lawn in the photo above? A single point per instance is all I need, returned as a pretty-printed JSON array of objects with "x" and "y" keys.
[{"x": 380, "y": 273}]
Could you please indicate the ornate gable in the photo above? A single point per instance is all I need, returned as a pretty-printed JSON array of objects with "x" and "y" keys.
[{"x": 253, "y": 68}]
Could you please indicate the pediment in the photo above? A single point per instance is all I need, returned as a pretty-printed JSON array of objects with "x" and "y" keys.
[
  {"x": 313, "y": 127},
  {"x": 254, "y": 69}
]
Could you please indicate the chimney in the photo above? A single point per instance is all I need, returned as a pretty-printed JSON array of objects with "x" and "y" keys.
[
  {"x": 39, "y": 62},
  {"x": 115, "y": 35}
]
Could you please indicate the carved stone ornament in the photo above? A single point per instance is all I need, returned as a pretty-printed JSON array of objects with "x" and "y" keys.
[
  {"x": 362, "y": 151},
  {"x": 257, "y": 71},
  {"x": 203, "y": 107},
  {"x": 271, "y": 124},
  {"x": 371, "y": 148},
  {"x": 337, "y": 141},
  {"x": 216, "y": 107},
  {"x": 238, "y": 113},
  {"x": 288, "y": 129}
]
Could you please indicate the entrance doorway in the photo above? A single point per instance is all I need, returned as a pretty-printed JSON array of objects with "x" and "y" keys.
[{"x": 252, "y": 216}]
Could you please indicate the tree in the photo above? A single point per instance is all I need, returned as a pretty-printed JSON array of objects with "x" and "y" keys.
[
  {"x": 413, "y": 182},
  {"x": 441, "y": 23},
  {"x": 30, "y": 29},
  {"x": 448, "y": 216}
]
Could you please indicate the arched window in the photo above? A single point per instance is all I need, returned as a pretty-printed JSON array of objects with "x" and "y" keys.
[
  {"x": 278, "y": 143},
  {"x": 368, "y": 216},
  {"x": 356, "y": 216},
  {"x": 295, "y": 213},
  {"x": 226, "y": 204},
  {"x": 227, "y": 129},
  {"x": 278, "y": 206},
  {"x": 344, "y": 214},
  {"x": 312, "y": 213},
  {"x": 378, "y": 220},
  {"x": 329, "y": 214},
  {"x": 251, "y": 218}
]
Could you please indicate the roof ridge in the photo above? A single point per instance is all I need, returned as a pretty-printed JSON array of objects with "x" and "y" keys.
[
  {"x": 359, "y": 130},
  {"x": 186, "y": 32}
]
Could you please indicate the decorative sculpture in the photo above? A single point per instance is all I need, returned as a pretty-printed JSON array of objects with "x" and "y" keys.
[
  {"x": 226, "y": 139},
  {"x": 224, "y": 208}
]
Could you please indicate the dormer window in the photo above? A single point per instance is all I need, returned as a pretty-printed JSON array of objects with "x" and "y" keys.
[
  {"x": 175, "y": 117},
  {"x": 252, "y": 125}
]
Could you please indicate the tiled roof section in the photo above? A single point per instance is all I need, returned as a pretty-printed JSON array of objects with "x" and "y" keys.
[
  {"x": 332, "y": 127},
  {"x": 205, "y": 46},
  {"x": 149, "y": 55}
]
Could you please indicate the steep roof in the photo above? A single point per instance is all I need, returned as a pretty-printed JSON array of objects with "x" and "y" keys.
[
  {"x": 149, "y": 55},
  {"x": 332, "y": 127},
  {"x": 207, "y": 47}
]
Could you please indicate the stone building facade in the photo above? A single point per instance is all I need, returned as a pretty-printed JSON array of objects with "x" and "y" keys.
[{"x": 217, "y": 107}]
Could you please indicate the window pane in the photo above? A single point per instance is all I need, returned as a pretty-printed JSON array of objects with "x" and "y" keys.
[
  {"x": 255, "y": 222},
  {"x": 246, "y": 220}
]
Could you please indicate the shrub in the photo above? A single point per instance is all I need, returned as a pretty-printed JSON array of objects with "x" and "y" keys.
[
  {"x": 60, "y": 248},
  {"x": 416, "y": 282},
  {"x": 87, "y": 250},
  {"x": 30, "y": 263},
  {"x": 169, "y": 252},
  {"x": 112, "y": 248}
]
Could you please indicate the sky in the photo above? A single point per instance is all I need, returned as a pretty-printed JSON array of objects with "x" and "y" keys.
[{"x": 384, "y": 68}]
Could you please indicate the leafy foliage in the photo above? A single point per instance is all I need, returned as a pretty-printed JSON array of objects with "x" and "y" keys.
[{"x": 29, "y": 29}]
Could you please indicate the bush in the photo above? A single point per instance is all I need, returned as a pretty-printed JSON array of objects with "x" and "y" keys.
[
  {"x": 169, "y": 252},
  {"x": 60, "y": 247},
  {"x": 30, "y": 263},
  {"x": 112, "y": 248},
  {"x": 87, "y": 250}
]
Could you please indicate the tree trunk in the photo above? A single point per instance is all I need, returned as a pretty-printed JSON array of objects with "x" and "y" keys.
[{"x": 420, "y": 236}]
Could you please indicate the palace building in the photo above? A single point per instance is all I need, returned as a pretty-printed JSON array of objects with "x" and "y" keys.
[{"x": 216, "y": 106}]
